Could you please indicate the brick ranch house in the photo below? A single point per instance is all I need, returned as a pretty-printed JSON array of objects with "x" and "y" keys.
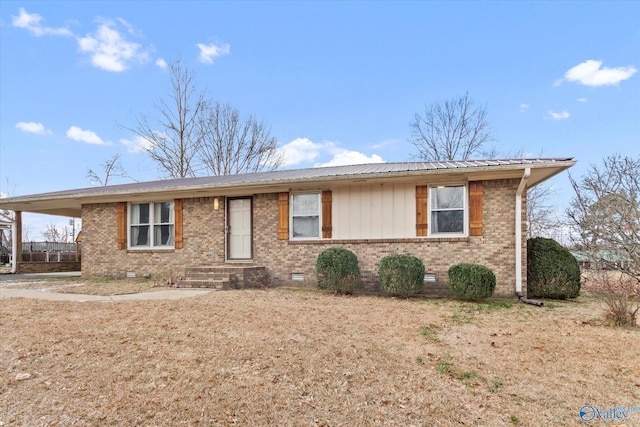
[{"x": 272, "y": 225}]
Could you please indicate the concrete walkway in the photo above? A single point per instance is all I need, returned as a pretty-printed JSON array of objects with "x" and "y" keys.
[{"x": 43, "y": 294}]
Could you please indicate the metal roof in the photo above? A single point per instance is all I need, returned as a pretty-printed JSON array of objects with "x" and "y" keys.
[{"x": 273, "y": 179}]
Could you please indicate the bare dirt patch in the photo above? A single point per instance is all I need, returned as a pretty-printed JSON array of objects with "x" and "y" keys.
[{"x": 283, "y": 357}]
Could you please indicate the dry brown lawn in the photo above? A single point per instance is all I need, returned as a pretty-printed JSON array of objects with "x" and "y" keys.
[
  {"x": 89, "y": 287},
  {"x": 298, "y": 358}
]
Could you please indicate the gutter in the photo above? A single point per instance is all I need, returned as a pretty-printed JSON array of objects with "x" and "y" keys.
[{"x": 521, "y": 188}]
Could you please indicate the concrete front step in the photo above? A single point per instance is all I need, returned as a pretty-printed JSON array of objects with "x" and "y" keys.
[
  {"x": 203, "y": 283},
  {"x": 210, "y": 276},
  {"x": 225, "y": 277}
]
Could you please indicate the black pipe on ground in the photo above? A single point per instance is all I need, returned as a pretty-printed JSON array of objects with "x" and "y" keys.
[{"x": 529, "y": 301}]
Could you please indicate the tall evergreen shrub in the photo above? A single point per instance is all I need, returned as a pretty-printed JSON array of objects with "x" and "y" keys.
[{"x": 552, "y": 271}]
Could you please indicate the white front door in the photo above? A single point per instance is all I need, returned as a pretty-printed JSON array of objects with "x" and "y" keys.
[{"x": 239, "y": 222}]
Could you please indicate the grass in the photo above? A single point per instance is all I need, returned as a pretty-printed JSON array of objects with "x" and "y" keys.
[
  {"x": 106, "y": 287},
  {"x": 430, "y": 332},
  {"x": 289, "y": 358}
]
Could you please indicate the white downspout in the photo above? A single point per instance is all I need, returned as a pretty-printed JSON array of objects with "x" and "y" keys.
[
  {"x": 521, "y": 188},
  {"x": 14, "y": 246}
]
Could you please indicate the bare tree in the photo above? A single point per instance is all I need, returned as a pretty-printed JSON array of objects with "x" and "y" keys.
[
  {"x": 26, "y": 232},
  {"x": 111, "y": 168},
  {"x": 56, "y": 234},
  {"x": 455, "y": 129},
  {"x": 542, "y": 219},
  {"x": 233, "y": 145},
  {"x": 196, "y": 135},
  {"x": 173, "y": 142},
  {"x": 606, "y": 214}
]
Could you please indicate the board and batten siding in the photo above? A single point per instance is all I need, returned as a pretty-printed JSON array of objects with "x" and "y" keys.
[{"x": 374, "y": 211}]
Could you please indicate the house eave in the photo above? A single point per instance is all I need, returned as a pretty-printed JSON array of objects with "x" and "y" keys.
[{"x": 69, "y": 203}]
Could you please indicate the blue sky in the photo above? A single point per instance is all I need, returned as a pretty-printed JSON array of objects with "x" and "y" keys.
[{"x": 337, "y": 82}]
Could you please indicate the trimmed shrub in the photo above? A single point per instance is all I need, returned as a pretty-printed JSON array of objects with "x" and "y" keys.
[
  {"x": 337, "y": 270},
  {"x": 401, "y": 275},
  {"x": 552, "y": 271},
  {"x": 471, "y": 282}
]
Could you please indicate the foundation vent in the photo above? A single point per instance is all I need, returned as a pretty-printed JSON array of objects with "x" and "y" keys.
[
  {"x": 429, "y": 277},
  {"x": 297, "y": 277}
]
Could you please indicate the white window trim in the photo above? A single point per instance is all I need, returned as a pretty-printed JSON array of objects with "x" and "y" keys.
[
  {"x": 297, "y": 193},
  {"x": 152, "y": 224},
  {"x": 465, "y": 209}
]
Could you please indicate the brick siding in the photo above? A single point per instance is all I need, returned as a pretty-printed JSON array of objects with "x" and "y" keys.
[{"x": 203, "y": 235}]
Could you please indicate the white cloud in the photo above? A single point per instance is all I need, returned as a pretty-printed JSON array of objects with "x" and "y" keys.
[
  {"x": 86, "y": 136},
  {"x": 591, "y": 73},
  {"x": 300, "y": 150},
  {"x": 524, "y": 107},
  {"x": 211, "y": 51},
  {"x": 558, "y": 116},
  {"x": 33, "y": 127},
  {"x": 110, "y": 50},
  {"x": 137, "y": 145},
  {"x": 385, "y": 143},
  {"x": 32, "y": 23},
  {"x": 303, "y": 150},
  {"x": 130, "y": 28},
  {"x": 161, "y": 63},
  {"x": 349, "y": 157},
  {"x": 581, "y": 99}
]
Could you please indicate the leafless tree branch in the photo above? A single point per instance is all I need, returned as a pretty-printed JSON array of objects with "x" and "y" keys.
[
  {"x": 606, "y": 214},
  {"x": 454, "y": 129},
  {"x": 234, "y": 145},
  {"x": 111, "y": 168}
]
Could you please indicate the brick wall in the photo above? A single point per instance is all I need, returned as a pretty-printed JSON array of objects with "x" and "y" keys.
[
  {"x": 203, "y": 235},
  {"x": 494, "y": 249}
]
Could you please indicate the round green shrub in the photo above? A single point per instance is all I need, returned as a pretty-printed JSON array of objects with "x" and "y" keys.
[
  {"x": 401, "y": 275},
  {"x": 552, "y": 271},
  {"x": 337, "y": 270},
  {"x": 471, "y": 282}
]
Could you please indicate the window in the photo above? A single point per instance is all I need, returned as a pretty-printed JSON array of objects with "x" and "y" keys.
[
  {"x": 305, "y": 216},
  {"x": 151, "y": 225},
  {"x": 447, "y": 206}
]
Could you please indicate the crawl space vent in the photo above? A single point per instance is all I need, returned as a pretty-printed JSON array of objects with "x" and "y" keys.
[
  {"x": 130, "y": 274},
  {"x": 297, "y": 277},
  {"x": 430, "y": 277}
]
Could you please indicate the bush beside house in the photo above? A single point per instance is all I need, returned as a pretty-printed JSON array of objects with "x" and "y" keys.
[
  {"x": 337, "y": 270},
  {"x": 471, "y": 282},
  {"x": 401, "y": 275},
  {"x": 552, "y": 271}
]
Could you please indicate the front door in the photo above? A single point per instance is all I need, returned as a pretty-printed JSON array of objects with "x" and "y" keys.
[{"x": 239, "y": 232}]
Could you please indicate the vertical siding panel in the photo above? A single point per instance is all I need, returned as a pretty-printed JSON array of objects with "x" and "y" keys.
[
  {"x": 388, "y": 226},
  {"x": 408, "y": 201},
  {"x": 365, "y": 208},
  {"x": 283, "y": 216}
]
